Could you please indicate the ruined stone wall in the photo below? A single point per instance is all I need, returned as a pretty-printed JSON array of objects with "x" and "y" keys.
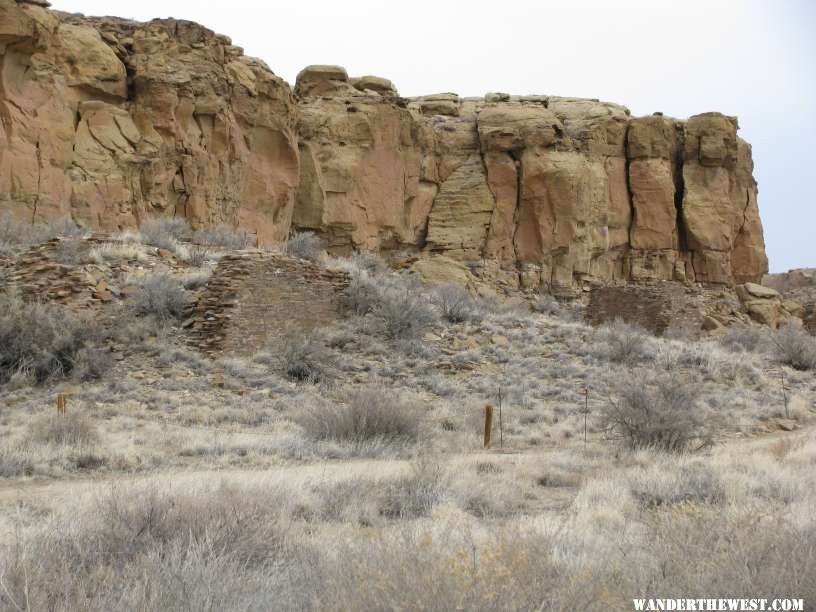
[{"x": 110, "y": 121}]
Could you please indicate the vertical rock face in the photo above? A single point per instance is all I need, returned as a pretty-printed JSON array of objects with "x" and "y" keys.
[
  {"x": 720, "y": 202},
  {"x": 110, "y": 120},
  {"x": 543, "y": 190}
]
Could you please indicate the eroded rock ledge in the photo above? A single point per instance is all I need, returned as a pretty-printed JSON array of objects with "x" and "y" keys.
[{"x": 110, "y": 121}]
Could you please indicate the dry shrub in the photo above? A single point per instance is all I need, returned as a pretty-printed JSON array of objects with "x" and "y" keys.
[
  {"x": 71, "y": 429},
  {"x": 196, "y": 255},
  {"x": 304, "y": 357},
  {"x": 743, "y": 338},
  {"x": 364, "y": 414},
  {"x": 691, "y": 482},
  {"x": 368, "y": 262},
  {"x": 417, "y": 493},
  {"x": 141, "y": 549},
  {"x": 196, "y": 280},
  {"x": 402, "y": 313},
  {"x": 362, "y": 294},
  {"x": 164, "y": 233},
  {"x": 112, "y": 251},
  {"x": 449, "y": 567},
  {"x": 92, "y": 363},
  {"x": 15, "y": 461},
  {"x": 795, "y": 347},
  {"x": 222, "y": 236},
  {"x": 16, "y": 235},
  {"x": 228, "y": 548},
  {"x": 305, "y": 245},
  {"x": 38, "y": 340},
  {"x": 160, "y": 295},
  {"x": 455, "y": 304},
  {"x": 621, "y": 342},
  {"x": 657, "y": 411},
  {"x": 546, "y": 304},
  {"x": 69, "y": 251},
  {"x": 395, "y": 304}
]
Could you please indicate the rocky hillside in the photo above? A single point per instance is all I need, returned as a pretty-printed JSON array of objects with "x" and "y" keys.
[{"x": 111, "y": 121}]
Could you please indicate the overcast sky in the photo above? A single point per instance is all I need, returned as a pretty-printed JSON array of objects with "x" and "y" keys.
[{"x": 752, "y": 58}]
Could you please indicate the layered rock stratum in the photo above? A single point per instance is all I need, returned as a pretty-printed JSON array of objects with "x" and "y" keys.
[{"x": 111, "y": 121}]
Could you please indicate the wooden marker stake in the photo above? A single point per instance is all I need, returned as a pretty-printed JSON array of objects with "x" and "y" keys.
[
  {"x": 62, "y": 403},
  {"x": 488, "y": 430}
]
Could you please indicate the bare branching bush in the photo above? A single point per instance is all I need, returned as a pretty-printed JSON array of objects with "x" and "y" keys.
[
  {"x": 364, "y": 414},
  {"x": 222, "y": 236},
  {"x": 692, "y": 482},
  {"x": 160, "y": 295},
  {"x": 362, "y": 294},
  {"x": 197, "y": 279},
  {"x": 196, "y": 255},
  {"x": 657, "y": 411},
  {"x": 546, "y": 304},
  {"x": 69, "y": 251},
  {"x": 305, "y": 245},
  {"x": 396, "y": 304},
  {"x": 368, "y": 262},
  {"x": 92, "y": 363},
  {"x": 214, "y": 551},
  {"x": 455, "y": 304},
  {"x": 38, "y": 340},
  {"x": 417, "y": 493},
  {"x": 403, "y": 314},
  {"x": 164, "y": 233},
  {"x": 113, "y": 251},
  {"x": 795, "y": 347},
  {"x": 303, "y": 357},
  {"x": 65, "y": 227},
  {"x": 71, "y": 429},
  {"x": 16, "y": 235},
  {"x": 679, "y": 329},
  {"x": 15, "y": 461},
  {"x": 621, "y": 342},
  {"x": 745, "y": 338}
]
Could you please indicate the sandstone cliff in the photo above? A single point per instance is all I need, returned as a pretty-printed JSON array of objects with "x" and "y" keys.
[{"x": 110, "y": 121}]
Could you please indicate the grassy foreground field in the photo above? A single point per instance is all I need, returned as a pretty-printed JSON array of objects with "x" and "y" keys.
[{"x": 342, "y": 468}]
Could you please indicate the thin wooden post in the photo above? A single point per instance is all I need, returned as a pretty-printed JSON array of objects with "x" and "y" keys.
[
  {"x": 488, "y": 428},
  {"x": 501, "y": 423},
  {"x": 62, "y": 403},
  {"x": 784, "y": 392}
]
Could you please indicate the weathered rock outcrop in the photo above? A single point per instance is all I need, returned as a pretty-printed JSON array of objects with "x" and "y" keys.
[{"x": 110, "y": 121}]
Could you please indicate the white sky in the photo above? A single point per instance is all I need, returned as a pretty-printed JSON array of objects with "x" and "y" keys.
[{"x": 752, "y": 58}]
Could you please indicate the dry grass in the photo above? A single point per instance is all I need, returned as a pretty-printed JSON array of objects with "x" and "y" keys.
[
  {"x": 72, "y": 429},
  {"x": 115, "y": 251},
  {"x": 237, "y": 486},
  {"x": 652, "y": 523}
]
